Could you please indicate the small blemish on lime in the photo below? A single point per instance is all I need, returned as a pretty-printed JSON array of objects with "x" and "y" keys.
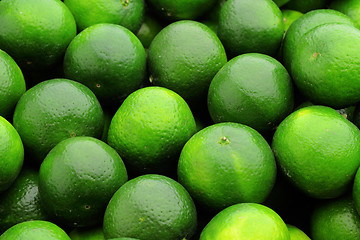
[
  {"x": 315, "y": 54},
  {"x": 223, "y": 141},
  {"x": 72, "y": 134},
  {"x": 98, "y": 85}
]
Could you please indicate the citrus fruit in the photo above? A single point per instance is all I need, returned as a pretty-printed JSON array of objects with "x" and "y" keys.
[
  {"x": 356, "y": 191},
  {"x": 290, "y": 16},
  {"x": 333, "y": 47},
  {"x": 150, "y": 128},
  {"x": 225, "y": 164},
  {"x": 127, "y": 13},
  {"x": 148, "y": 30},
  {"x": 35, "y": 230},
  {"x": 179, "y": 10},
  {"x": 305, "y": 6},
  {"x": 11, "y": 154},
  {"x": 35, "y": 32},
  {"x": 252, "y": 89},
  {"x": 77, "y": 179},
  {"x": 107, "y": 58},
  {"x": 249, "y": 221},
  {"x": 349, "y": 7},
  {"x": 280, "y": 3},
  {"x": 21, "y": 202},
  {"x": 296, "y": 233},
  {"x": 12, "y": 84},
  {"x": 317, "y": 150},
  {"x": 150, "y": 207},
  {"x": 87, "y": 234},
  {"x": 304, "y": 24},
  {"x": 54, "y": 110},
  {"x": 250, "y": 26},
  {"x": 184, "y": 57},
  {"x": 335, "y": 219}
]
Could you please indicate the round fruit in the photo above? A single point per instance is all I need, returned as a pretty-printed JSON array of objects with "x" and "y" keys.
[
  {"x": 225, "y": 164},
  {"x": 184, "y": 57},
  {"x": 150, "y": 128},
  {"x": 11, "y": 154},
  {"x": 335, "y": 219},
  {"x": 304, "y": 24},
  {"x": 250, "y": 221},
  {"x": 296, "y": 234},
  {"x": 290, "y": 16},
  {"x": 54, "y": 110},
  {"x": 349, "y": 7},
  {"x": 12, "y": 84},
  {"x": 126, "y": 13},
  {"x": 21, "y": 202},
  {"x": 333, "y": 47},
  {"x": 250, "y": 26},
  {"x": 179, "y": 10},
  {"x": 35, "y": 230},
  {"x": 107, "y": 58},
  {"x": 87, "y": 234},
  {"x": 317, "y": 149},
  {"x": 77, "y": 179},
  {"x": 148, "y": 30},
  {"x": 252, "y": 89},
  {"x": 35, "y": 32},
  {"x": 150, "y": 207}
]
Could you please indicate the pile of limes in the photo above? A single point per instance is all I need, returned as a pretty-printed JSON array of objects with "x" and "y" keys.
[{"x": 179, "y": 119}]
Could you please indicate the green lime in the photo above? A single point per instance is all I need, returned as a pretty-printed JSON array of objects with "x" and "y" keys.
[
  {"x": 335, "y": 219},
  {"x": 225, "y": 164},
  {"x": 296, "y": 233},
  {"x": 250, "y": 221},
  {"x": 334, "y": 47},
  {"x": 21, "y": 202},
  {"x": 304, "y": 24},
  {"x": 148, "y": 30},
  {"x": 77, "y": 179},
  {"x": 35, "y": 32},
  {"x": 290, "y": 16},
  {"x": 12, "y": 84},
  {"x": 35, "y": 230},
  {"x": 250, "y": 26},
  {"x": 127, "y": 13},
  {"x": 305, "y": 5},
  {"x": 317, "y": 149},
  {"x": 150, "y": 207},
  {"x": 54, "y": 110},
  {"x": 184, "y": 57},
  {"x": 180, "y": 10},
  {"x": 349, "y": 7},
  {"x": 252, "y": 89},
  {"x": 150, "y": 128},
  {"x": 107, "y": 58},
  {"x": 87, "y": 234},
  {"x": 11, "y": 154}
]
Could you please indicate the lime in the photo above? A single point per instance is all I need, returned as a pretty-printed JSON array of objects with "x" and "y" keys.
[
  {"x": 296, "y": 233},
  {"x": 150, "y": 128},
  {"x": 250, "y": 221},
  {"x": 11, "y": 154},
  {"x": 35, "y": 230},
  {"x": 317, "y": 150},
  {"x": 77, "y": 179},
  {"x": 107, "y": 58},
  {"x": 148, "y": 30},
  {"x": 334, "y": 47},
  {"x": 349, "y": 7},
  {"x": 127, "y": 13},
  {"x": 35, "y": 32},
  {"x": 252, "y": 89},
  {"x": 280, "y": 3},
  {"x": 12, "y": 84},
  {"x": 184, "y": 57},
  {"x": 225, "y": 164},
  {"x": 150, "y": 207},
  {"x": 21, "y": 202},
  {"x": 290, "y": 16},
  {"x": 250, "y": 26},
  {"x": 54, "y": 110},
  {"x": 335, "y": 219}
]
